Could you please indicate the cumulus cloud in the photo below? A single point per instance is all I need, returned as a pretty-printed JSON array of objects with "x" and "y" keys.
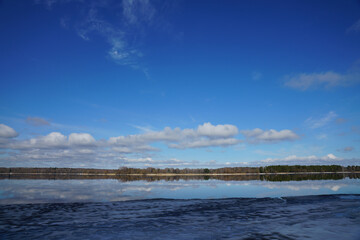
[
  {"x": 320, "y": 122},
  {"x": 330, "y": 79},
  {"x": 36, "y": 121},
  {"x": 258, "y": 135},
  {"x": 7, "y": 132},
  {"x": 224, "y": 131},
  {"x": 54, "y": 140},
  {"x": 81, "y": 139},
  {"x": 82, "y": 147},
  {"x": 205, "y": 135}
]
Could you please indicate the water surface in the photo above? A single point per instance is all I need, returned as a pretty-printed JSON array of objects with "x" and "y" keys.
[
  {"x": 202, "y": 207},
  {"x": 311, "y": 217},
  {"x": 44, "y": 189}
]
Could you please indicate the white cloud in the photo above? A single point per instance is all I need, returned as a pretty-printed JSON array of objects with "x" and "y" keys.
[
  {"x": 258, "y": 135},
  {"x": 138, "y": 11},
  {"x": 305, "y": 81},
  {"x": 312, "y": 159},
  {"x": 120, "y": 51},
  {"x": 7, "y": 132},
  {"x": 54, "y": 140},
  {"x": 205, "y": 135},
  {"x": 82, "y": 148},
  {"x": 222, "y": 142},
  {"x": 126, "y": 30},
  {"x": 81, "y": 139},
  {"x": 133, "y": 19},
  {"x": 224, "y": 131},
  {"x": 134, "y": 149},
  {"x": 317, "y": 123}
]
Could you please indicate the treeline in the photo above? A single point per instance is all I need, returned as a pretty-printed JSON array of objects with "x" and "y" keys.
[
  {"x": 171, "y": 178},
  {"x": 310, "y": 168},
  {"x": 149, "y": 170},
  {"x": 234, "y": 170},
  {"x": 70, "y": 171}
]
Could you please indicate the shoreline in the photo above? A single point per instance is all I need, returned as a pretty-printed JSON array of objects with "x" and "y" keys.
[{"x": 179, "y": 174}]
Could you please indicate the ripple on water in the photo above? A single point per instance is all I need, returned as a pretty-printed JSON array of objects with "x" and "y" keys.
[{"x": 311, "y": 217}]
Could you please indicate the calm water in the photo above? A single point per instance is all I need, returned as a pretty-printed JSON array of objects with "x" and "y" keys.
[{"x": 276, "y": 207}]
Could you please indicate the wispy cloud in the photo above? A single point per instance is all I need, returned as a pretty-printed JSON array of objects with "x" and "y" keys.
[
  {"x": 320, "y": 122},
  {"x": 48, "y": 3},
  {"x": 355, "y": 27},
  {"x": 37, "y": 121},
  {"x": 142, "y": 128},
  {"x": 205, "y": 142},
  {"x": 346, "y": 149},
  {"x": 138, "y": 11},
  {"x": 304, "y": 160},
  {"x": 341, "y": 120},
  {"x": 125, "y": 33},
  {"x": 322, "y": 136},
  {"x": 122, "y": 51},
  {"x": 330, "y": 79},
  {"x": 256, "y": 75},
  {"x": 258, "y": 135},
  {"x": 355, "y": 129}
]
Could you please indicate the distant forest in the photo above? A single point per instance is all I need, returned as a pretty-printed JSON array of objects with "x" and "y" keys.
[
  {"x": 149, "y": 170},
  {"x": 177, "y": 177}
]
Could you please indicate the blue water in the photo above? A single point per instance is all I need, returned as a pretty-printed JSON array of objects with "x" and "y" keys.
[
  {"x": 310, "y": 217},
  {"x": 106, "y": 190},
  {"x": 182, "y": 209}
]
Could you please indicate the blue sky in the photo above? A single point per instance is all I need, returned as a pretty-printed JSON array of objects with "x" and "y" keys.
[{"x": 179, "y": 83}]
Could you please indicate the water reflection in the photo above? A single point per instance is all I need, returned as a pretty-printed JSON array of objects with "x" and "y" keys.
[
  {"x": 42, "y": 189},
  {"x": 129, "y": 178}
]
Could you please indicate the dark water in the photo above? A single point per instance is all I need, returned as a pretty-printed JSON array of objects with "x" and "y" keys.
[
  {"x": 227, "y": 207},
  {"x": 308, "y": 217}
]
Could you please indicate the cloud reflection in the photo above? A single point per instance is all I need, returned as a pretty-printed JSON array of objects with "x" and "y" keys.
[{"x": 105, "y": 190}]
